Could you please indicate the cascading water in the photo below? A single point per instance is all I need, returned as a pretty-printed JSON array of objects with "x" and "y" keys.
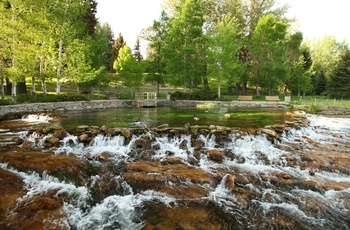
[{"x": 280, "y": 185}]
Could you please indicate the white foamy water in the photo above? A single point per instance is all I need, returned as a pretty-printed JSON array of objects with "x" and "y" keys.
[
  {"x": 114, "y": 146},
  {"x": 34, "y": 118}
]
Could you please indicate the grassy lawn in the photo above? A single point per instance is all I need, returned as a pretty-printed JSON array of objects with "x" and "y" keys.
[{"x": 126, "y": 93}]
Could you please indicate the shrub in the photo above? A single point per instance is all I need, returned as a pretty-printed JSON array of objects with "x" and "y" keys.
[
  {"x": 27, "y": 98},
  {"x": 5, "y": 102},
  {"x": 196, "y": 95}
]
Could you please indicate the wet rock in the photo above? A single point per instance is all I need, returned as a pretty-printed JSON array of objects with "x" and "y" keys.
[
  {"x": 82, "y": 128},
  {"x": 197, "y": 144},
  {"x": 104, "y": 128},
  {"x": 189, "y": 216},
  {"x": 168, "y": 178},
  {"x": 68, "y": 168},
  {"x": 104, "y": 156},
  {"x": 60, "y": 134},
  {"x": 163, "y": 126},
  {"x": 84, "y": 137},
  {"x": 17, "y": 140},
  {"x": 52, "y": 140},
  {"x": 230, "y": 182},
  {"x": 126, "y": 133},
  {"x": 215, "y": 155},
  {"x": 270, "y": 132},
  {"x": 174, "y": 160}
]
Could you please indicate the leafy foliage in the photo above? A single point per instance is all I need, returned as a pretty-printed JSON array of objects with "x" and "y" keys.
[
  {"x": 195, "y": 95},
  {"x": 339, "y": 84}
]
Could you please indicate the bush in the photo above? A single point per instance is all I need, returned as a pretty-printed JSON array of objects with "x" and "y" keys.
[
  {"x": 196, "y": 95},
  {"x": 5, "y": 102},
  {"x": 27, "y": 98}
]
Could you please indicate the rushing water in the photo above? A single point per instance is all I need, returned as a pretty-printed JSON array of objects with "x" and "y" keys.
[{"x": 254, "y": 156}]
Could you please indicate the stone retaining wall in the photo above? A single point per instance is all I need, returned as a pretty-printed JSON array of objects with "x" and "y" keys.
[{"x": 106, "y": 104}]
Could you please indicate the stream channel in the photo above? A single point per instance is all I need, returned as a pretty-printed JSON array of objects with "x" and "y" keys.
[{"x": 237, "y": 179}]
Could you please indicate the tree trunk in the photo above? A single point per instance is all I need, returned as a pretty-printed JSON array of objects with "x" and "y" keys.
[
  {"x": 219, "y": 88},
  {"x": 33, "y": 89},
  {"x": 2, "y": 89},
  {"x": 206, "y": 84},
  {"x": 14, "y": 92},
  {"x": 8, "y": 87},
  {"x": 60, "y": 64},
  {"x": 43, "y": 86},
  {"x": 237, "y": 89},
  {"x": 257, "y": 89},
  {"x": 22, "y": 88},
  {"x": 230, "y": 90},
  {"x": 158, "y": 86}
]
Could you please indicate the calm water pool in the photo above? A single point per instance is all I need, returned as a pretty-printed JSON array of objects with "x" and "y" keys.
[{"x": 175, "y": 117}]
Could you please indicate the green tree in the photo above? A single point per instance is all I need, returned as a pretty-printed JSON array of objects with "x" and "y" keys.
[
  {"x": 248, "y": 14},
  {"x": 293, "y": 60},
  {"x": 155, "y": 35},
  {"x": 223, "y": 47},
  {"x": 137, "y": 51},
  {"x": 128, "y": 69},
  {"x": 89, "y": 18},
  {"x": 325, "y": 54},
  {"x": 268, "y": 52},
  {"x": 67, "y": 26},
  {"x": 79, "y": 62},
  {"x": 185, "y": 45},
  {"x": 117, "y": 45},
  {"x": 102, "y": 54},
  {"x": 339, "y": 84}
]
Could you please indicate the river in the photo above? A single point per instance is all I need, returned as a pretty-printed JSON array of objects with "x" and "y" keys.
[{"x": 300, "y": 181}]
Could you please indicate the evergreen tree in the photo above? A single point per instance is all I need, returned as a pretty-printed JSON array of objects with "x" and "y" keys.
[
  {"x": 339, "y": 84},
  {"x": 118, "y": 44},
  {"x": 90, "y": 17},
  {"x": 137, "y": 51}
]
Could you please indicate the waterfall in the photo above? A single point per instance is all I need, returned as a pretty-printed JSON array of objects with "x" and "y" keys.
[{"x": 271, "y": 183}]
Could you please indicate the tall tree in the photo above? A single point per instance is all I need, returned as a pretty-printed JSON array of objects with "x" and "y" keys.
[
  {"x": 90, "y": 17},
  {"x": 248, "y": 14},
  {"x": 79, "y": 68},
  {"x": 128, "y": 69},
  {"x": 268, "y": 53},
  {"x": 137, "y": 51},
  {"x": 155, "y": 35},
  {"x": 102, "y": 55},
  {"x": 186, "y": 45},
  {"x": 224, "y": 44},
  {"x": 118, "y": 44},
  {"x": 339, "y": 84},
  {"x": 325, "y": 54},
  {"x": 68, "y": 26},
  {"x": 292, "y": 61}
]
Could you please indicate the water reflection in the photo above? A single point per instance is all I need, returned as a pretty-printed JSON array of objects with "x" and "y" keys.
[{"x": 175, "y": 116}]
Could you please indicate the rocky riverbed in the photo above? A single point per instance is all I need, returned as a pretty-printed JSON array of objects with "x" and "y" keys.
[{"x": 190, "y": 177}]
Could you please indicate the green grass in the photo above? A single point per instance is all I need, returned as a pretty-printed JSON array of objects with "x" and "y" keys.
[
  {"x": 125, "y": 94},
  {"x": 319, "y": 101}
]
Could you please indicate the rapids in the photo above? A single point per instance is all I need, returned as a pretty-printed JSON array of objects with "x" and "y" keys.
[{"x": 301, "y": 181}]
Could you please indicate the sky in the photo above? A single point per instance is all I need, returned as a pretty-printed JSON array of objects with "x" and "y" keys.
[{"x": 316, "y": 18}]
